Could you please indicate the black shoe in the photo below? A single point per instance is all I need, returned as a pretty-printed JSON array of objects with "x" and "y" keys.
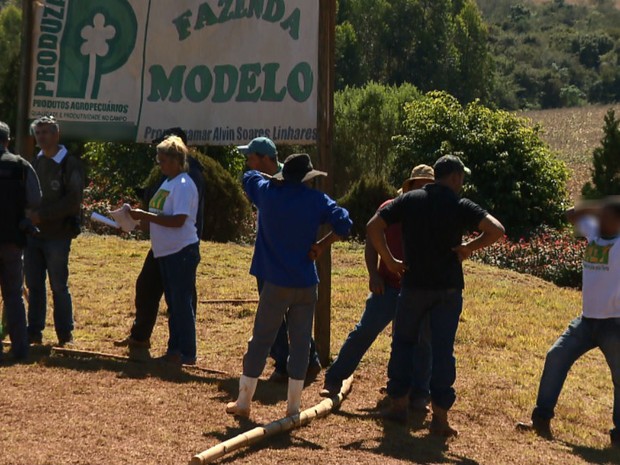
[
  {"x": 65, "y": 340},
  {"x": 540, "y": 426},
  {"x": 330, "y": 389},
  {"x": 134, "y": 343},
  {"x": 35, "y": 339},
  {"x": 420, "y": 405},
  {"x": 615, "y": 438},
  {"x": 278, "y": 377}
]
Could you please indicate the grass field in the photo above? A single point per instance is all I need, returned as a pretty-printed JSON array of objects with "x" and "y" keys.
[
  {"x": 573, "y": 133},
  {"x": 61, "y": 411}
]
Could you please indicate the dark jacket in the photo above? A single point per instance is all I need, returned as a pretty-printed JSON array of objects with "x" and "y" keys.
[
  {"x": 62, "y": 185},
  {"x": 19, "y": 189}
]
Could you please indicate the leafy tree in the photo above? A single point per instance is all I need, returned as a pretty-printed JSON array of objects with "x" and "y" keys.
[
  {"x": 10, "y": 30},
  {"x": 606, "y": 162},
  {"x": 433, "y": 45},
  {"x": 514, "y": 173},
  {"x": 366, "y": 119}
]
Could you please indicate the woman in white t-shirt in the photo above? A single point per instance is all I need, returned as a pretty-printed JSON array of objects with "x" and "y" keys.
[{"x": 174, "y": 241}]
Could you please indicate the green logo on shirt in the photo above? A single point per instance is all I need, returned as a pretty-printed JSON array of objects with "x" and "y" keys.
[
  {"x": 597, "y": 254},
  {"x": 158, "y": 200}
]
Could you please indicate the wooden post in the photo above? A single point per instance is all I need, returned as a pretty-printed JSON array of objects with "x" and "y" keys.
[
  {"x": 24, "y": 144},
  {"x": 327, "y": 43}
]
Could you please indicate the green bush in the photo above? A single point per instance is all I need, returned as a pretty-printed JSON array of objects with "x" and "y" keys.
[
  {"x": 366, "y": 119},
  {"x": 116, "y": 171},
  {"x": 515, "y": 174},
  {"x": 362, "y": 201},
  {"x": 227, "y": 213},
  {"x": 10, "y": 33},
  {"x": 606, "y": 162}
]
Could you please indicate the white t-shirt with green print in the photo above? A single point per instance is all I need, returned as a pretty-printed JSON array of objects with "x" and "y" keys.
[
  {"x": 177, "y": 196},
  {"x": 601, "y": 273}
]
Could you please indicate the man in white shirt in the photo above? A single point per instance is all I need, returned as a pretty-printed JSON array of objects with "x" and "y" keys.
[{"x": 599, "y": 324}]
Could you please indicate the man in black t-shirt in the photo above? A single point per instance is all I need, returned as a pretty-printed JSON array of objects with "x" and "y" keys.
[{"x": 434, "y": 220}]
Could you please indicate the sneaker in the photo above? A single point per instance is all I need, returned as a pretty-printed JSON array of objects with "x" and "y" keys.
[
  {"x": 35, "y": 339},
  {"x": 330, "y": 389},
  {"x": 65, "y": 340},
  {"x": 312, "y": 373},
  {"x": 540, "y": 426},
  {"x": 131, "y": 342},
  {"x": 188, "y": 361},
  {"x": 278, "y": 377}
]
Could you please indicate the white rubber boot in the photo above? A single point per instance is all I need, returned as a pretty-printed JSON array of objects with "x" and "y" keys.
[
  {"x": 295, "y": 388},
  {"x": 241, "y": 407}
]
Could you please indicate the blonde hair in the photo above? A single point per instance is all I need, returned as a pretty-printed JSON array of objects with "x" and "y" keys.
[{"x": 173, "y": 147}]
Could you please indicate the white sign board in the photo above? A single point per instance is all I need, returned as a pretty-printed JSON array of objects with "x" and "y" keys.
[{"x": 225, "y": 71}]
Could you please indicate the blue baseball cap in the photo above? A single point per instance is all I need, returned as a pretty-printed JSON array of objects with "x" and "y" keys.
[{"x": 261, "y": 146}]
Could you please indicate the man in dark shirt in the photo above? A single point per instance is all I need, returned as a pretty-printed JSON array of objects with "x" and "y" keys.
[
  {"x": 58, "y": 218},
  {"x": 434, "y": 220},
  {"x": 19, "y": 190}
]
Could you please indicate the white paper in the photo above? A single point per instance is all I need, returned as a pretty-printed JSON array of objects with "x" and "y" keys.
[
  {"x": 124, "y": 219},
  {"x": 105, "y": 220}
]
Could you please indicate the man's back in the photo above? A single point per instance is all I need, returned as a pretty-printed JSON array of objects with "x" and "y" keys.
[
  {"x": 289, "y": 218},
  {"x": 433, "y": 221}
]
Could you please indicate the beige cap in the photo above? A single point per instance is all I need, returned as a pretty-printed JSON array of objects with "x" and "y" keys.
[{"x": 419, "y": 172}]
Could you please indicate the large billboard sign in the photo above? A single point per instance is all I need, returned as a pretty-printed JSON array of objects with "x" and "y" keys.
[{"x": 226, "y": 71}]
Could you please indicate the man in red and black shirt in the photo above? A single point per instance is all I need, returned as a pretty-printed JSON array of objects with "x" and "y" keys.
[{"x": 380, "y": 310}]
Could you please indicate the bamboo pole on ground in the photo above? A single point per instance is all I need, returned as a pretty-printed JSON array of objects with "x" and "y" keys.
[{"x": 259, "y": 433}]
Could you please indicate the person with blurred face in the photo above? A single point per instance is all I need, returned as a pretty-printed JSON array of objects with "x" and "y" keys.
[
  {"x": 58, "y": 219},
  {"x": 174, "y": 240},
  {"x": 598, "y": 326},
  {"x": 433, "y": 220},
  {"x": 381, "y": 309},
  {"x": 262, "y": 156},
  {"x": 149, "y": 284}
]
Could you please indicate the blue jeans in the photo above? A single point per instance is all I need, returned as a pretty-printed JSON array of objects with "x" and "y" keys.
[
  {"x": 48, "y": 257},
  {"x": 279, "y": 351},
  {"x": 443, "y": 307},
  {"x": 178, "y": 272},
  {"x": 379, "y": 312},
  {"x": 582, "y": 335},
  {"x": 11, "y": 283}
]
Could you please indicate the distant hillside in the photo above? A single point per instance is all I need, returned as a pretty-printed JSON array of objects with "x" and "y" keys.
[{"x": 555, "y": 53}]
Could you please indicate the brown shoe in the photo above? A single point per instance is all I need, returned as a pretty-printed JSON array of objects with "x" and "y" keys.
[
  {"x": 440, "y": 425},
  {"x": 131, "y": 342},
  {"x": 397, "y": 410}
]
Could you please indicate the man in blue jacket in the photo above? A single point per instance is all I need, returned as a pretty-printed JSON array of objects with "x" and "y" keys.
[{"x": 291, "y": 213}]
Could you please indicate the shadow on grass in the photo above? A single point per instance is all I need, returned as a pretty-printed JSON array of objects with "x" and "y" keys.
[
  {"x": 267, "y": 393},
  {"x": 398, "y": 443},
  {"x": 129, "y": 368},
  {"x": 592, "y": 455}
]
